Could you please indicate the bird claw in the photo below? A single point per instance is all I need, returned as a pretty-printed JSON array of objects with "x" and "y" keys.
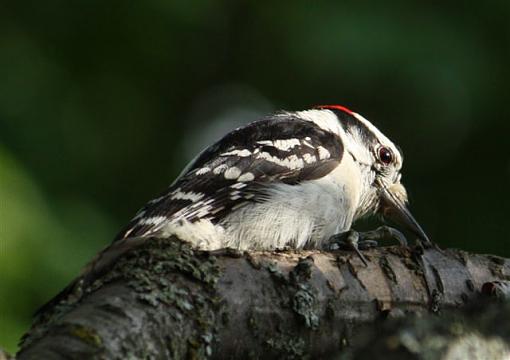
[
  {"x": 385, "y": 233},
  {"x": 356, "y": 241},
  {"x": 351, "y": 241}
]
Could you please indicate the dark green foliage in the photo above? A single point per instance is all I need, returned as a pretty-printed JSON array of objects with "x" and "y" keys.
[{"x": 102, "y": 104}]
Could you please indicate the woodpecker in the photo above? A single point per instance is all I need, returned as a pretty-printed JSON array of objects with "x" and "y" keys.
[
  {"x": 289, "y": 180},
  {"x": 292, "y": 179}
]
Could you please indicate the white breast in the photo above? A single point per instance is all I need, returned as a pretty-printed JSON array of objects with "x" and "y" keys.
[{"x": 298, "y": 215}]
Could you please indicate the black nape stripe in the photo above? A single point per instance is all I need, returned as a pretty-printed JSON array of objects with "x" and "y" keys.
[{"x": 351, "y": 125}]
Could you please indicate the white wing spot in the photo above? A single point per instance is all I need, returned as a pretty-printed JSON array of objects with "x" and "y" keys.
[
  {"x": 190, "y": 195},
  {"x": 232, "y": 173},
  {"x": 286, "y": 144},
  {"x": 307, "y": 143},
  {"x": 207, "y": 202},
  {"x": 203, "y": 212},
  {"x": 246, "y": 177},
  {"x": 292, "y": 162},
  {"x": 216, "y": 210},
  {"x": 154, "y": 220},
  {"x": 309, "y": 158},
  {"x": 219, "y": 169},
  {"x": 235, "y": 195},
  {"x": 203, "y": 171},
  {"x": 241, "y": 153},
  {"x": 128, "y": 232},
  {"x": 323, "y": 153},
  {"x": 238, "y": 185},
  {"x": 156, "y": 200},
  {"x": 283, "y": 144},
  {"x": 139, "y": 214}
]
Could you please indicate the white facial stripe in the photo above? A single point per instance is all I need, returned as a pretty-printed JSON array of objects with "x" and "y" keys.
[
  {"x": 369, "y": 125},
  {"x": 382, "y": 138}
]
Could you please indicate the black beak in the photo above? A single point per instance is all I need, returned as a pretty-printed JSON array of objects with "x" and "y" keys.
[{"x": 394, "y": 208}]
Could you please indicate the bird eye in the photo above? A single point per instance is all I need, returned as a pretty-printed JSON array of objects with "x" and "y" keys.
[{"x": 385, "y": 155}]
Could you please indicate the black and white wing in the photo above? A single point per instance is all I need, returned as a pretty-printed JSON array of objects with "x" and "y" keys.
[{"x": 239, "y": 168}]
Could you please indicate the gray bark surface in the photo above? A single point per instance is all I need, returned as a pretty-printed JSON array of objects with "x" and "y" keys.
[
  {"x": 479, "y": 331},
  {"x": 165, "y": 300}
]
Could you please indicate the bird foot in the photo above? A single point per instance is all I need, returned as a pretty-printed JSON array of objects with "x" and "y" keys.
[{"x": 356, "y": 241}]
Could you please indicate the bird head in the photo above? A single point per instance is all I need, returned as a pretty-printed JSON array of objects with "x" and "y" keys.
[{"x": 380, "y": 162}]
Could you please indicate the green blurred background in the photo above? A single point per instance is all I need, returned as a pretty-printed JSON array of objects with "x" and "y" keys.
[{"x": 103, "y": 102}]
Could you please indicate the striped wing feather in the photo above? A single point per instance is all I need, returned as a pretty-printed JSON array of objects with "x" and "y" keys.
[{"x": 238, "y": 168}]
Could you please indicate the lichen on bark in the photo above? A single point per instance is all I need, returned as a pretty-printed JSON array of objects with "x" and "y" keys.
[{"x": 167, "y": 300}]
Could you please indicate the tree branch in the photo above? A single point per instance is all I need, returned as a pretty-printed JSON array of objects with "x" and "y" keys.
[
  {"x": 480, "y": 330},
  {"x": 166, "y": 300}
]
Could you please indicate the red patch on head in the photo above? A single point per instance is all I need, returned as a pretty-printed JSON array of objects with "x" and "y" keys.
[{"x": 334, "y": 107}]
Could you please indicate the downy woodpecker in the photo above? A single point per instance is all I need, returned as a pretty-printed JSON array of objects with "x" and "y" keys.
[{"x": 293, "y": 179}]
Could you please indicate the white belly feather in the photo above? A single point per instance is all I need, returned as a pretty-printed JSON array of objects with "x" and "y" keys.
[
  {"x": 297, "y": 216},
  {"x": 294, "y": 216}
]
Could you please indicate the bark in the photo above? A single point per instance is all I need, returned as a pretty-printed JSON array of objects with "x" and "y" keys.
[
  {"x": 166, "y": 300},
  {"x": 480, "y": 331}
]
